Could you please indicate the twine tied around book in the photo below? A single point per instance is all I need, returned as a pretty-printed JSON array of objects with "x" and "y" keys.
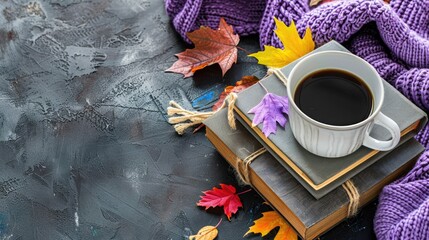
[
  {"x": 279, "y": 74},
  {"x": 188, "y": 118},
  {"x": 353, "y": 194},
  {"x": 314, "y": 3},
  {"x": 242, "y": 166}
]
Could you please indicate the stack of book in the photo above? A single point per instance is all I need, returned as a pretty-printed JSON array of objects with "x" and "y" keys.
[{"x": 304, "y": 188}]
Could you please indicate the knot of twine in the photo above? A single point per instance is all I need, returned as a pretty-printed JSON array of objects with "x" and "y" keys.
[
  {"x": 242, "y": 166},
  {"x": 188, "y": 118},
  {"x": 353, "y": 194}
]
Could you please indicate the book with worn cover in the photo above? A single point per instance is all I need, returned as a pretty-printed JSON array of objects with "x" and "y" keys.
[
  {"x": 308, "y": 216},
  {"x": 317, "y": 174}
]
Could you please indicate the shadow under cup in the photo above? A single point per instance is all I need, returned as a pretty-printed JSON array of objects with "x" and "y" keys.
[{"x": 338, "y": 140}]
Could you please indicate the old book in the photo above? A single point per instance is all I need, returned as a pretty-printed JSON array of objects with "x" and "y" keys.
[
  {"x": 317, "y": 174},
  {"x": 308, "y": 216}
]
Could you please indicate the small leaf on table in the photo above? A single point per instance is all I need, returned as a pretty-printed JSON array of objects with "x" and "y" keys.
[
  {"x": 225, "y": 197},
  {"x": 206, "y": 233},
  {"x": 211, "y": 46},
  {"x": 244, "y": 83},
  {"x": 268, "y": 222}
]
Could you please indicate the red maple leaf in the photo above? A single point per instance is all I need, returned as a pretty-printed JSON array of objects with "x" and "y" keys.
[
  {"x": 211, "y": 46},
  {"x": 221, "y": 197}
]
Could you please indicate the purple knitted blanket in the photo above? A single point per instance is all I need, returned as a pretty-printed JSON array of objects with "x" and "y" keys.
[{"x": 393, "y": 37}]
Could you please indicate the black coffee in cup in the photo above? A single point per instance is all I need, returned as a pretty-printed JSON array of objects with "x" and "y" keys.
[{"x": 334, "y": 97}]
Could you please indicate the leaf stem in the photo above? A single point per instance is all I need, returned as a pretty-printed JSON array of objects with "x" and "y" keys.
[
  {"x": 217, "y": 225},
  {"x": 266, "y": 90},
  {"x": 198, "y": 128},
  {"x": 243, "y": 192},
  {"x": 244, "y": 50}
]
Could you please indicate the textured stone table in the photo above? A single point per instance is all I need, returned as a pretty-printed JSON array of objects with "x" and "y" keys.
[{"x": 85, "y": 149}]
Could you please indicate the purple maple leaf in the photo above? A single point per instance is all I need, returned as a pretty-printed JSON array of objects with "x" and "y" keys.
[{"x": 271, "y": 110}]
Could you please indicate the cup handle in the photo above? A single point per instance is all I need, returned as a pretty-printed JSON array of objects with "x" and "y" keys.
[{"x": 382, "y": 145}]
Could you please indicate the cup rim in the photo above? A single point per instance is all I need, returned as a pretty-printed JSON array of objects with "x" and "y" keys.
[{"x": 375, "y": 111}]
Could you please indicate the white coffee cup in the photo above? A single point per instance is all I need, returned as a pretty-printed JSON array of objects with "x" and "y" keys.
[{"x": 337, "y": 141}]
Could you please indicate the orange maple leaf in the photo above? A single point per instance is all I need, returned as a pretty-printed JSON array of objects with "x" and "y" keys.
[
  {"x": 268, "y": 222},
  {"x": 224, "y": 196},
  {"x": 211, "y": 46},
  {"x": 244, "y": 83}
]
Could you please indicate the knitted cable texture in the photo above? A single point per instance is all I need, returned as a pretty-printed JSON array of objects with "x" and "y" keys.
[
  {"x": 403, "y": 210},
  {"x": 393, "y": 37},
  {"x": 188, "y": 15}
]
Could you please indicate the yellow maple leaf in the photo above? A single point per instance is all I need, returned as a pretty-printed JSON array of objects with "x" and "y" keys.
[
  {"x": 293, "y": 46},
  {"x": 268, "y": 222}
]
